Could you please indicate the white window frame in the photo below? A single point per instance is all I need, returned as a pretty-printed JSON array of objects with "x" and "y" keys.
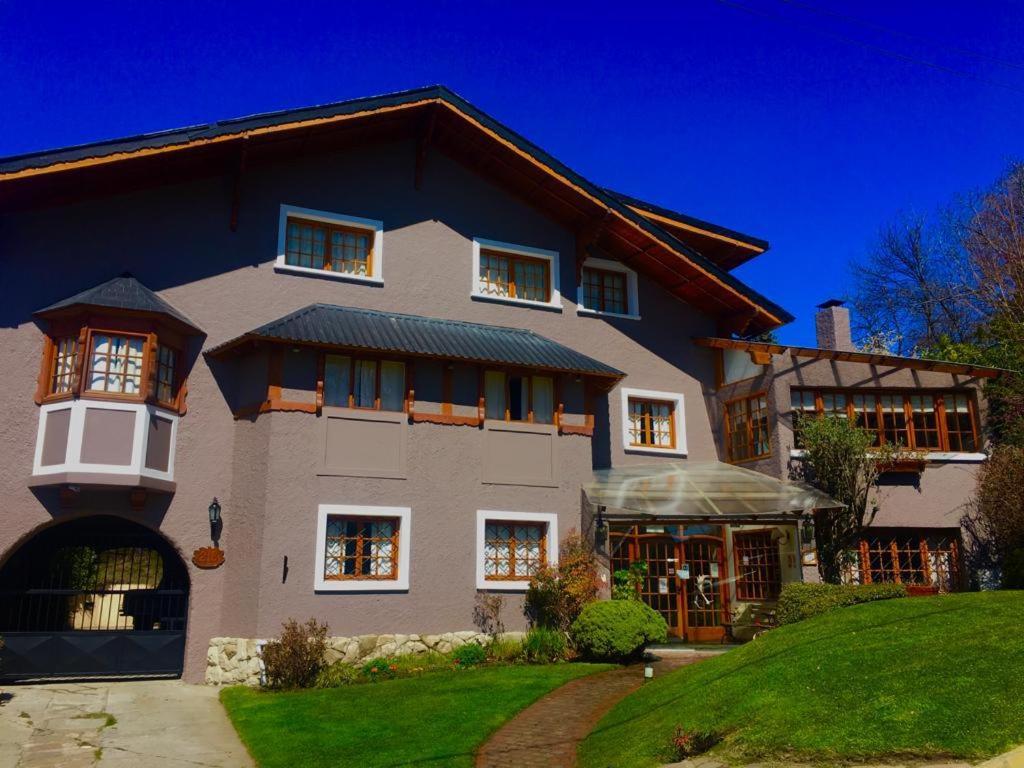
[
  {"x": 554, "y": 302},
  {"x": 372, "y": 226},
  {"x": 632, "y": 291},
  {"x": 401, "y": 584},
  {"x": 677, "y": 415},
  {"x": 484, "y": 516}
]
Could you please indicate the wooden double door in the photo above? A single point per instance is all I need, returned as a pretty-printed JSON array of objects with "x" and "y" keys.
[{"x": 685, "y": 583}]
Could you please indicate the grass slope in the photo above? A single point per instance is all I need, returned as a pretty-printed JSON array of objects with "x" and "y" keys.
[
  {"x": 434, "y": 720},
  {"x": 925, "y": 677}
]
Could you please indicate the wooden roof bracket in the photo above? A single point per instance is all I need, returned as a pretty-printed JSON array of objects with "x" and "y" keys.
[
  {"x": 236, "y": 182},
  {"x": 423, "y": 142},
  {"x": 586, "y": 237}
]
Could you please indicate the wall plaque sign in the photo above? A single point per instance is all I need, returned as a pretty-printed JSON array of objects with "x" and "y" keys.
[{"x": 208, "y": 557}]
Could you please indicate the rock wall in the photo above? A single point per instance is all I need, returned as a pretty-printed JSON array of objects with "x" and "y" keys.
[{"x": 237, "y": 661}]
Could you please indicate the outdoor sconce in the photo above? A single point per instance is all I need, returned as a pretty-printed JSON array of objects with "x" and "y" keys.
[
  {"x": 807, "y": 529},
  {"x": 215, "y": 524}
]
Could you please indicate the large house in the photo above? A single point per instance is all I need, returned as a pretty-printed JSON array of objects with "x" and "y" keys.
[{"x": 366, "y": 361}]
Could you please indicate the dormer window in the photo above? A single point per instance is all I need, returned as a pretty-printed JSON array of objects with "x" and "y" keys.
[{"x": 329, "y": 245}]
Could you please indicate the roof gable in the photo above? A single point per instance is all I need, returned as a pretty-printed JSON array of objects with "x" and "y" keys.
[{"x": 436, "y": 117}]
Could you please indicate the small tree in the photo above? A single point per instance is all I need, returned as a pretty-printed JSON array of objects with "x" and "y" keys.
[
  {"x": 995, "y": 523},
  {"x": 557, "y": 594},
  {"x": 841, "y": 461}
]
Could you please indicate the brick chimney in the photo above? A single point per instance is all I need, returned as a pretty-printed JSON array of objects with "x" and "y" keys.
[{"x": 832, "y": 324}]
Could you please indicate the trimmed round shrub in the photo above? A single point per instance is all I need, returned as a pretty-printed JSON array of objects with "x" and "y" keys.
[{"x": 617, "y": 630}]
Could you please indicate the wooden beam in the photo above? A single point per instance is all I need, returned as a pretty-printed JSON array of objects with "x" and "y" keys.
[
  {"x": 423, "y": 141},
  {"x": 236, "y": 182}
]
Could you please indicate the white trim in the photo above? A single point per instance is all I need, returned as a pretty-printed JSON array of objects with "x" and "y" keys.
[
  {"x": 76, "y": 429},
  {"x": 680, "y": 422},
  {"x": 632, "y": 291},
  {"x": 939, "y": 457},
  {"x": 483, "y": 516},
  {"x": 370, "y": 225},
  {"x": 401, "y": 584},
  {"x": 551, "y": 257}
]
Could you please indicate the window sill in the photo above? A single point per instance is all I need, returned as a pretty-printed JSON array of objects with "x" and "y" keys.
[
  {"x": 361, "y": 585},
  {"x": 936, "y": 457},
  {"x": 327, "y": 274},
  {"x": 655, "y": 451},
  {"x": 548, "y": 305},
  {"x": 596, "y": 313},
  {"x": 502, "y": 585}
]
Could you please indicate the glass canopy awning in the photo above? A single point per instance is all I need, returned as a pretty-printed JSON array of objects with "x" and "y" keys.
[{"x": 709, "y": 490}]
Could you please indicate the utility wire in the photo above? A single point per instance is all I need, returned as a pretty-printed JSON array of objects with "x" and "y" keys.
[
  {"x": 872, "y": 47},
  {"x": 902, "y": 33}
]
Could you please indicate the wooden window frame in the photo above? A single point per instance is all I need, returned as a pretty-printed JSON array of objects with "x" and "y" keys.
[
  {"x": 608, "y": 267},
  {"x": 750, "y": 442},
  {"x": 398, "y": 582},
  {"x": 905, "y": 397},
  {"x": 379, "y": 359},
  {"x": 528, "y": 378},
  {"x": 516, "y": 253},
  {"x": 603, "y": 275},
  {"x": 510, "y": 544},
  {"x": 649, "y": 427},
  {"x": 372, "y": 228},
  {"x": 768, "y": 583},
  {"x": 146, "y": 364},
  {"x": 330, "y": 228},
  {"x": 492, "y": 516},
  {"x": 900, "y": 550},
  {"x": 360, "y": 540},
  {"x": 675, "y": 400}
]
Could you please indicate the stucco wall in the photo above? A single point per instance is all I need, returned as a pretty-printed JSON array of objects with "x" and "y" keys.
[{"x": 177, "y": 241}]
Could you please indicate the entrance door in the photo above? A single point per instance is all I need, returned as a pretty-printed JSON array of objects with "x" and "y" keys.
[
  {"x": 94, "y": 597},
  {"x": 660, "y": 589},
  {"x": 705, "y": 601}
]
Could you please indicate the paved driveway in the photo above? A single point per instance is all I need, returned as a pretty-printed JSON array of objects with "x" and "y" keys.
[{"x": 152, "y": 724}]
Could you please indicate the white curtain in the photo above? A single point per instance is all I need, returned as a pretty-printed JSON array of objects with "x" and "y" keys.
[
  {"x": 543, "y": 399},
  {"x": 494, "y": 394},
  {"x": 392, "y": 385},
  {"x": 336, "y": 380}
]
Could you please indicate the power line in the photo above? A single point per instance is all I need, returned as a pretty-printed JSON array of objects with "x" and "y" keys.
[
  {"x": 872, "y": 47},
  {"x": 902, "y": 33}
]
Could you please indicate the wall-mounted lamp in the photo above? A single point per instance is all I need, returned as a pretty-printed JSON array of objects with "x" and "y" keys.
[
  {"x": 215, "y": 524},
  {"x": 807, "y": 529}
]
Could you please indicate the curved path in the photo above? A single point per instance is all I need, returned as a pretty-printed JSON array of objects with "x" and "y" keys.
[{"x": 545, "y": 734}]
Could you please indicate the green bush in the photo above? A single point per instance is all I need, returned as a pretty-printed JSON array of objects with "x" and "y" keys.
[
  {"x": 545, "y": 646},
  {"x": 617, "y": 630},
  {"x": 505, "y": 651},
  {"x": 800, "y": 601},
  {"x": 627, "y": 581},
  {"x": 337, "y": 675},
  {"x": 469, "y": 655},
  {"x": 1013, "y": 570}
]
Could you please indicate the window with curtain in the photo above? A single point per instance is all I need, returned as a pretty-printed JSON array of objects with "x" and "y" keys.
[
  {"x": 651, "y": 423},
  {"x": 513, "y": 276},
  {"x": 923, "y": 421},
  {"x": 330, "y": 247},
  {"x": 115, "y": 364},
  {"x": 515, "y": 397},
  {"x": 351, "y": 382},
  {"x": 514, "y": 551},
  {"x": 62, "y": 370},
  {"x": 747, "y": 429},
  {"x": 361, "y": 548}
]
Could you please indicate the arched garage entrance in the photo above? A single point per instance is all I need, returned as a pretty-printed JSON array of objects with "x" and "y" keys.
[{"x": 94, "y": 597}]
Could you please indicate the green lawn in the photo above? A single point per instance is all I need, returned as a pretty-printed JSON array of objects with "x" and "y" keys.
[
  {"x": 438, "y": 719},
  {"x": 917, "y": 677}
]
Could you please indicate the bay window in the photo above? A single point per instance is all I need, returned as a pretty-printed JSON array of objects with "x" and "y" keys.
[{"x": 922, "y": 421}]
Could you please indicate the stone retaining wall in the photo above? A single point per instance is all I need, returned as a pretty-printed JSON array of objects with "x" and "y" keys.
[{"x": 236, "y": 660}]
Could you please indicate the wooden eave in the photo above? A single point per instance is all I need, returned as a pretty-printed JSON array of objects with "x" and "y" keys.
[
  {"x": 866, "y": 358},
  {"x": 459, "y": 132},
  {"x": 726, "y": 251}
]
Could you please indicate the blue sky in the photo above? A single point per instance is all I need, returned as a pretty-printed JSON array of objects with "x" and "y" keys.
[{"x": 775, "y": 117}]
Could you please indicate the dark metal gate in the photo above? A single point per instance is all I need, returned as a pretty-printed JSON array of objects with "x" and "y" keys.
[{"x": 93, "y": 597}]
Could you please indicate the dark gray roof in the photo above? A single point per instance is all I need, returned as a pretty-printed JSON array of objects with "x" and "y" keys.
[
  {"x": 240, "y": 125},
  {"x": 331, "y": 325},
  {"x": 124, "y": 292}
]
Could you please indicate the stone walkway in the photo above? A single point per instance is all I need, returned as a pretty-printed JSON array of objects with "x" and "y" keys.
[
  {"x": 155, "y": 724},
  {"x": 546, "y": 733}
]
